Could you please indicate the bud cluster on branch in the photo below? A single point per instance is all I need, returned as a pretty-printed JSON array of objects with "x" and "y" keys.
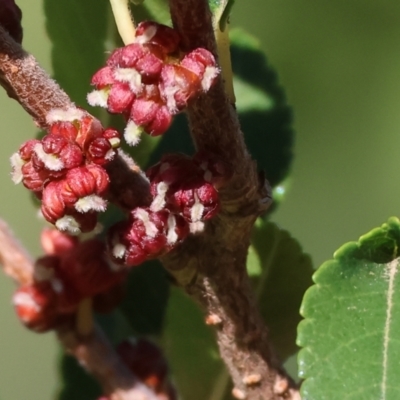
[{"x": 151, "y": 80}]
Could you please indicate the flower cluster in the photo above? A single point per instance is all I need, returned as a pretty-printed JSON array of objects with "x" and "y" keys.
[
  {"x": 70, "y": 272},
  {"x": 184, "y": 196},
  {"x": 147, "y": 362},
  {"x": 65, "y": 169},
  {"x": 151, "y": 80}
]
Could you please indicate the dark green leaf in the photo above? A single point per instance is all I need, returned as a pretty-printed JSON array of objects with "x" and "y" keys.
[
  {"x": 155, "y": 10},
  {"x": 176, "y": 140},
  {"x": 264, "y": 114},
  {"x": 281, "y": 273},
  {"x": 78, "y": 31},
  {"x": 191, "y": 350},
  {"x": 145, "y": 303},
  {"x": 77, "y": 384},
  {"x": 352, "y": 319}
]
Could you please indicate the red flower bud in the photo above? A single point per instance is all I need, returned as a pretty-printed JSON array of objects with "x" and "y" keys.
[
  {"x": 48, "y": 269},
  {"x": 88, "y": 270},
  {"x": 53, "y": 206},
  {"x": 160, "y": 123},
  {"x": 144, "y": 111},
  {"x": 146, "y": 235},
  {"x": 90, "y": 128},
  {"x": 120, "y": 98},
  {"x": 103, "y": 77},
  {"x": 64, "y": 128},
  {"x": 55, "y": 242},
  {"x": 82, "y": 182},
  {"x": 100, "y": 151},
  {"x": 35, "y": 306},
  {"x": 74, "y": 222},
  {"x": 101, "y": 178},
  {"x": 26, "y": 150},
  {"x": 67, "y": 152},
  {"x": 203, "y": 64},
  {"x": 32, "y": 179},
  {"x": 177, "y": 86},
  {"x": 164, "y": 36},
  {"x": 146, "y": 360}
]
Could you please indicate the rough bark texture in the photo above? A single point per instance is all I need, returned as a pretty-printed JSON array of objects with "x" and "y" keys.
[
  {"x": 212, "y": 267},
  {"x": 26, "y": 82}
]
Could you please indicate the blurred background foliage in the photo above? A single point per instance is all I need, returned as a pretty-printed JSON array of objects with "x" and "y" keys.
[{"x": 339, "y": 63}]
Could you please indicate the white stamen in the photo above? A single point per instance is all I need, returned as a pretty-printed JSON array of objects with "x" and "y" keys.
[
  {"x": 209, "y": 75},
  {"x": 131, "y": 76},
  {"x": 25, "y": 300},
  {"x": 69, "y": 115},
  {"x": 169, "y": 94},
  {"x": 159, "y": 200},
  {"x": 143, "y": 215},
  {"x": 197, "y": 210},
  {"x": 51, "y": 161},
  {"x": 68, "y": 224},
  {"x": 98, "y": 98},
  {"x": 110, "y": 155},
  {"x": 91, "y": 203},
  {"x": 119, "y": 250},
  {"x": 16, "y": 164},
  {"x": 132, "y": 133},
  {"x": 147, "y": 35},
  {"x": 172, "y": 236},
  {"x": 197, "y": 226}
]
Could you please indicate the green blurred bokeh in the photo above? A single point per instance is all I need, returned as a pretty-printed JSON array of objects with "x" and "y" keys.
[{"x": 340, "y": 64}]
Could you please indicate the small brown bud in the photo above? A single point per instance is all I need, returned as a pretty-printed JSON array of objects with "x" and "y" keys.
[
  {"x": 213, "y": 319},
  {"x": 238, "y": 394},
  {"x": 281, "y": 385},
  {"x": 252, "y": 379}
]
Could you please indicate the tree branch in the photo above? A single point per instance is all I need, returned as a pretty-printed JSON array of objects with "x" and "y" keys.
[
  {"x": 212, "y": 267},
  {"x": 93, "y": 351},
  {"x": 27, "y": 83}
]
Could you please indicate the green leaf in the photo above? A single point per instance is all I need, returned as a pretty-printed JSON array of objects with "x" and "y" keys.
[
  {"x": 283, "y": 277},
  {"x": 191, "y": 349},
  {"x": 77, "y": 384},
  {"x": 264, "y": 114},
  {"x": 78, "y": 31},
  {"x": 176, "y": 140},
  {"x": 280, "y": 273},
  {"x": 145, "y": 303},
  {"x": 352, "y": 319},
  {"x": 155, "y": 10},
  {"x": 220, "y": 10}
]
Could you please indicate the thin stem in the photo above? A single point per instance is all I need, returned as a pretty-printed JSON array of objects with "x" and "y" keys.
[
  {"x": 224, "y": 60},
  {"x": 124, "y": 20}
]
